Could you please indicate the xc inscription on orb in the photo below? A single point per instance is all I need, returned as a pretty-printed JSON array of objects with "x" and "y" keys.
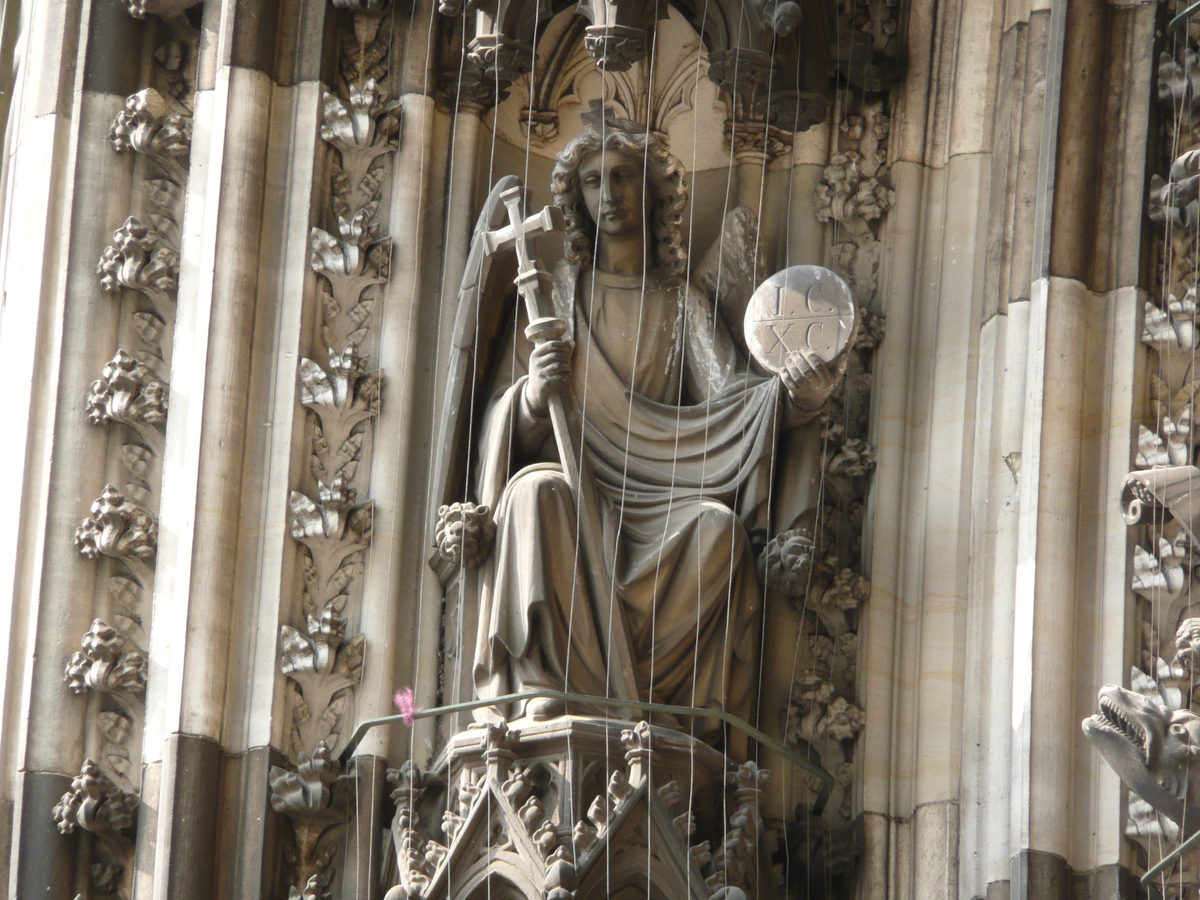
[{"x": 799, "y": 308}]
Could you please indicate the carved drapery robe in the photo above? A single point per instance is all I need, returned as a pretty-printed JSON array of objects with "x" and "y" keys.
[{"x": 679, "y": 436}]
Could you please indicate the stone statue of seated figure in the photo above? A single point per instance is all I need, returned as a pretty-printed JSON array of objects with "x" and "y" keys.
[{"x": 678, "y": 429}]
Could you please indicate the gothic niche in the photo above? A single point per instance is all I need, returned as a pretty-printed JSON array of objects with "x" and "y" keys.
[{"x": 650, "y": 473}]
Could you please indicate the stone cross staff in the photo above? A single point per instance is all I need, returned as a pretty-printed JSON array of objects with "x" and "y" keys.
[{"x": 568, "y": 426}]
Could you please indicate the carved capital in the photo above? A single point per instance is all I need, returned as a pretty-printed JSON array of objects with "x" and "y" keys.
[
  {"x": 500, "y": 59},
  {"x": 108, "y": 662},
  {"x": 117, "y": 528},
  {"x": 757, "y": 140},
  {"x": 615, "y": 48}
]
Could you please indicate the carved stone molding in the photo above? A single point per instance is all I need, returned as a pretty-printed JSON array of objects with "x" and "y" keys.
[{"x": 360, "y": 126}]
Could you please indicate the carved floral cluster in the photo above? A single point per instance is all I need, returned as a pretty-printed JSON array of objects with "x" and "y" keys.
[
  {"x": 94, "y": 804},
  {"x": 127, "y": 392},
  {"x": 107, "y": 662},
  {"x": 311, "y": 796},
  {"x": 118, "y": 528},
  {"x": 148, "y": 126},
  {"x": 138, "y": 259}
]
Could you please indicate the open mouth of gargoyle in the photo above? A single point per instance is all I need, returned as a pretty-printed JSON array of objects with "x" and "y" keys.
[{"x": 1117, "y": 720}]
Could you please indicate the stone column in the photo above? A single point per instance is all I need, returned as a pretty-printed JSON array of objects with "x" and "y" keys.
[
  {"x": 207, "y": 440},
  {"x": 57, "y": 329}
]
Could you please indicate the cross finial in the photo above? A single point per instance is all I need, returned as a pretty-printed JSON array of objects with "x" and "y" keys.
[{"x": 600, "y": 118}]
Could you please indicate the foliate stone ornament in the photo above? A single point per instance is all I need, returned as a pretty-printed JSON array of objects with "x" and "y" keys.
[
  {"x": 816, "y": 714},
  {"x": 1173, "y": 327},
  {"x": 1161, "y": 576},
  {"x": 117, "y": 528},
  {"x": 350, "y": 266},
  {"x": 130, "y": 393},
  {"x": 849, "y": 197},
  {"x": 369, "y": 6},
  {"x": 324, "y": 665},
  {"x": 561, "y": 880},
  {"x": 95, "y": 804},
  {"x": 108, "y": 662},
  {"x": 331, "y": 529},
  {"x": 137, "y": 259},
  {"x": 1179, "y": 84},
  {"x": 854, "y": 459},
  {"x": 464, "y": 533},
  {"x": 363, "y": 127},
  {"x": 342, "y": 399},
  {"x": 310, "y": 796},
  {"x": 314, "y": 889},
  {"x": 846, "y": 193},
  {"x": 98, "y": 806},
  {"x": 149, "y": 126},
  {"x": 735, "y": 861}
]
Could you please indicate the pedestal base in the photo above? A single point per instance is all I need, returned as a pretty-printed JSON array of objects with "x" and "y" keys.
[{"x": 579, "y": 808}]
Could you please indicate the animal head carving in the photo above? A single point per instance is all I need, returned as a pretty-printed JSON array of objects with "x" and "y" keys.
[{"x": 1155, "y": 750}]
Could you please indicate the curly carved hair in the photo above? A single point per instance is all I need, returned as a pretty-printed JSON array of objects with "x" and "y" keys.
[{"x": 664, "y": 179}]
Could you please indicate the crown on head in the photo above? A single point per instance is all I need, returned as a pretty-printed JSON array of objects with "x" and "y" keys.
[{"x": 601, "y": 118}]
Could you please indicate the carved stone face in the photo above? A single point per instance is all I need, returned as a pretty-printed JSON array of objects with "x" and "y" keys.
[
  {"x": 613, "y": 185},
  {"x": 1154, "y": 750}
]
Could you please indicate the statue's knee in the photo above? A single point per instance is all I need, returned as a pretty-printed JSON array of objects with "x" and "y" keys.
[
  {"x": 535, "y": 486},
  {"x": 722, "y": 524}
]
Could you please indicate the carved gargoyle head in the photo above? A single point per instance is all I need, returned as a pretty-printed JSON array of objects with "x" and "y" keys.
[{"x": 1155, "y": 750}]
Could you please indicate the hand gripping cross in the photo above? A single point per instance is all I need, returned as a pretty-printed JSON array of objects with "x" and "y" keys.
[{"x": 568, "y": 428}]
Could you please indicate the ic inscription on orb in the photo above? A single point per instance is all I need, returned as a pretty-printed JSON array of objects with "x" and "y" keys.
[{"x": 799, "y": 308}]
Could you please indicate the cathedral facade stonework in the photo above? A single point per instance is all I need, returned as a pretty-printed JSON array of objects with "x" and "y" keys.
[{"x": 507, "y": 450}]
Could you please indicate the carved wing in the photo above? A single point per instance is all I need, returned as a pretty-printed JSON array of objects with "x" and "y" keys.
[
  {"x": 484, "y": 298},
  {"x": 732, "y": 268}
]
